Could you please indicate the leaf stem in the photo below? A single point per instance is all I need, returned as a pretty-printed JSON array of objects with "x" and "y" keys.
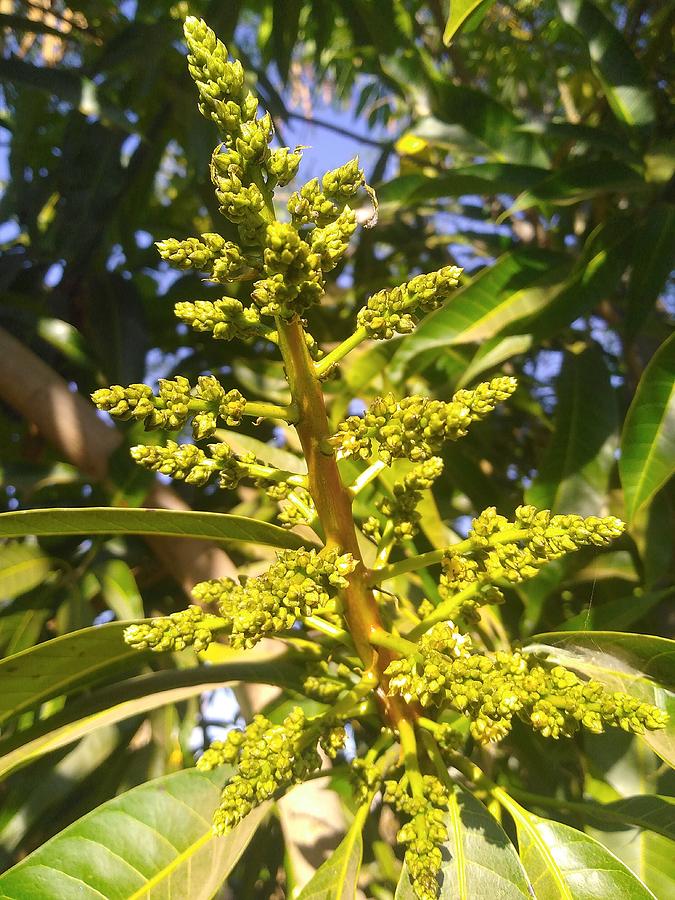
[
  {"x": 330, "y": 359},
  {"x": 368, "y": 475}
]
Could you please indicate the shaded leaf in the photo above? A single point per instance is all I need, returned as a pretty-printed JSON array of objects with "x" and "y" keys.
[
  {"x": 478, "y": 859},
  {"x": 648, "y": 440},
  {"x": 574, "y": 472},
  {"x": 482, "y": 178},
  {"x": 620, "y": 613},
  {"x": 135, "y": 696},
  {"x": 68, "y": 663},
  {"x": 492, "y": 353},
  {"x": 613, "y": 62},
  {"x": 22, "y": 567},
  {"x": 153, "y": 841},
  {"x": 172, "y": 523},
  {"x": 641, "y": 665}
]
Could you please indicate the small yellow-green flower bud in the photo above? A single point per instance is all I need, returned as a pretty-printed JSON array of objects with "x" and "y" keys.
[
  {"x": 283, "y": 164},
  {"x": 175, "y": 632}
]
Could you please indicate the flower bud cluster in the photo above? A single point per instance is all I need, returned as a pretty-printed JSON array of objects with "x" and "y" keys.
[
  {"x": 188, "y": 463},
  {"x": 417, "y": 427},
  {"x": 283, "y": 164},
  {"x": 183, "y": 629},
  {"x": 424, "y": 834},
  {"x": 515, "y": 551},
  {"x": 170, "y": 409},
  {"x": 331, "y": 241},
  {"x": 222, "y": 95},
  {"x": 226, "y": 319},
  {"x": 299, "y": 583},
  {"x": 293, "y": 275},
  {"x": 221, "y": 259},
  {"x": 401, "y": 509},
  {"x": 269, "y": 757},
  {"x": 325, "y": 680},
  {"x": 490, "y": 689},
  {"x": 291, "y": 513},
  {"x": 321, "y": 203},
  {"x": 390, "y": 312}
]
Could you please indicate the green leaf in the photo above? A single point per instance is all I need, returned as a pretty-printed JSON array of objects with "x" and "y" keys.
[
  {"x": 566, "y": 864},
  {"x": 478, "y": 858},
  {"x": 462, "y": 11},
  {"x": 648, "y": 441},
  {"x": 68, "y": 663},
  {"x": 153, "y": 841},
  {"x": 613, "y": 62},
  {"x": 620, "y": 613},
  {"x": 520, "y": 283},
  {"x": 336, "y": 879},
  {"x": 641, "y": 665},
  {"x": 653, "y": 812},
  {"x": 492, "y": 353},
  {"x": 119, "y": 589},
  {"x": 460, "y": 111},
  {"x": 172, "y": 523},
  {"x": 135, "y": 696},
  {"x": 652, "y": 256},
  {"x": 482, "y": 178},
  {"x": 579, "y": 181},
  {"x": 574, "y": 473},
  {"x": 22, "y": 567}
]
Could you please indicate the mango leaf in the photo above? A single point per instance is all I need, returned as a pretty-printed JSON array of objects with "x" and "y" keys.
[
  {"x": 22, "y": 567},
  {"x": 653, "y": 812},
  {"x": 566, "y": 864},
  {"x": 133, "y": 697},
  {"x": 494, "y": 352},
  {"x": 620, "y": 613},
  {"x": 574, "y": 472},
  {"x": 641, "y": 665},
  {"x": 478, "y": 858},
  {"x": 520, "y": 283},
  {"x": 460, "y": 111},
  {"x": 68, "y": 663},
  {"x": 482, "y": 178},
  {"x": 172, "y": 523},
  {"x": 336, "y": 879},
  {"x": 652, "y": 260},
  {"x": 464, "y": 12},
  {"x": 119, "y": 589},
  {"x": 648, "y": 440},
  {"x": 613, "y": 62},
  {"x": 153, "y": 841},
  {"x": 579, "y": 181}
]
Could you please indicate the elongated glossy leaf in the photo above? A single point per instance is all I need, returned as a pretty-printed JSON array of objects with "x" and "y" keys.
[
  {"x": 460, "y": 12},
  {"x": 135, "y": 696},
  {"x": 478, "y": 859},
  {"x": 22, "y": 567},
  {"x": 153, "y": 841},
  {"x": 467, "y": 111},
  {"x": 482, "y": 178},
  {"x": 648, "y": 440},
  {"x": 620, "y": 613},
  {"x": 66, "y": 664},
  {"x": 520, "y": 283},
  {"x": 566, "y": 864},
  {"x": 336, "y": 879},
  {"x": 652, "y": 812},
  {"x": 172, "y": 523},
  {"x": 574, "y": 472},
  {"x": 580, "y": 181},
  {"x": 119, "y": 589},
  {"x": 640, "y": 665},
  {"x": 613, "y": 62},
  {"x": 494, "y": 352},
  {"x": 652, "y": 256}
]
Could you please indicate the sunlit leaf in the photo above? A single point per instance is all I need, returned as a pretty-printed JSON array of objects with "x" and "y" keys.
[
  {"x": 464, "y": 12},
  {"x": 172, "y": 523},
  {"x": 648, "y": 440},
  {"x": 22, "y": 567},
  {"x": 153, "y": 841},
  {"x": 479, "y": 860},
  {"x": 337, "y": 878}
]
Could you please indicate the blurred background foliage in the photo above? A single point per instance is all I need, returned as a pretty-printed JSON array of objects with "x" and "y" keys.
[{"x": 535, "y": 149}]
